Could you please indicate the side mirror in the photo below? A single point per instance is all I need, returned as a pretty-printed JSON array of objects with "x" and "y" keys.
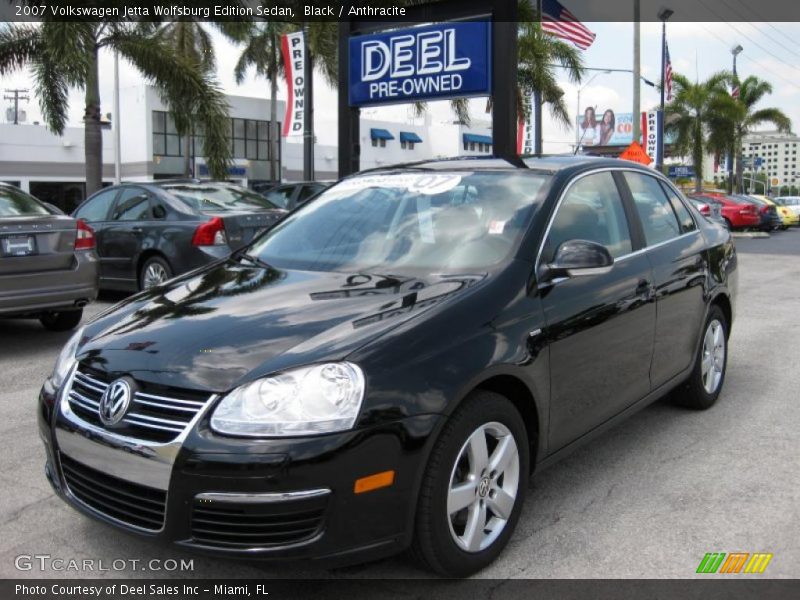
[{"x": 579, "y": 258}]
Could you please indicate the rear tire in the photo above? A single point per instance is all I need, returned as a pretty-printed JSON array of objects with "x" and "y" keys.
[
  {"x": 704, "y": 385},
  {"x": 473, "y": 488},
  {"x": 61, "y": 321},
  {"x": 154, "y": 271}
]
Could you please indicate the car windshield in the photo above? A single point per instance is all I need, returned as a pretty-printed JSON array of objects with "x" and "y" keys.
[
  {"x": 442, "y": 221},
  {"x": 215, "y": 197},
  {"x": 16, "y": 203}
]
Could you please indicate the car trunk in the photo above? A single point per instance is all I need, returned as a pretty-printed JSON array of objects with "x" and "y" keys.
[
  {"x": 34, "y": 244},
  {"x": 242, "y": 226}
]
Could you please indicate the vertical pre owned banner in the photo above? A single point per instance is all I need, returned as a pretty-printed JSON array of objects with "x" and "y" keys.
[
  {"x": 651, "y": 131},
  {"x": 294, "y": 58}
]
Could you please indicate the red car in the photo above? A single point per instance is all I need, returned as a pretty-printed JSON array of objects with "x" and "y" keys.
[{"x": 737, "y": 213}]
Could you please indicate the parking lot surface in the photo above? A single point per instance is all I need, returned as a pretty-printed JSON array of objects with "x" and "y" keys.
[{"x": 646, "y": 500}]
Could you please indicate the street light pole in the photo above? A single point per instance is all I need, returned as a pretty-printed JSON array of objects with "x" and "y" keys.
[{"x": 663, "y": 15}]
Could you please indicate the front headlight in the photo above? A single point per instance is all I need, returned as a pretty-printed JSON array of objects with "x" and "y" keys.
[
  {"x": 66, "y": 359},
  {"x": 305, "y": 401}
]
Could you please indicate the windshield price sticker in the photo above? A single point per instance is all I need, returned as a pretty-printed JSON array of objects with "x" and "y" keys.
[{"x": 428, "y": 184}]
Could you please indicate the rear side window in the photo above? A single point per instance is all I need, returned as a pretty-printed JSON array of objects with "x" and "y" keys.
[
  {"x": 307, "y": 192},
  {"x": 96, "y": 208},
  {"x": 684, "y": 217},
  {"x": 655, "y": 211},
  {"x": 591, "y": 210},
  {"x": 15, "y": 203},
  {"x": 133, "y": 205},
  {"x": 280, "y": 197},
  {"x": 218, "y": 197}
]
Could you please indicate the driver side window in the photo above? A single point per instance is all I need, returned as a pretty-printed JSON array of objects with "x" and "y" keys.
[{"x": 591, "y": 210}]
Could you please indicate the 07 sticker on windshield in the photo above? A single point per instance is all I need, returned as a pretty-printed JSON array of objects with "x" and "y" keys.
[{"x": 428, "y": 184}]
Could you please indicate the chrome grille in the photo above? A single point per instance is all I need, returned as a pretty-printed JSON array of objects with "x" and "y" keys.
[
  {"x": 122, "y": 500},
  {"x": 152, "y": 417}
]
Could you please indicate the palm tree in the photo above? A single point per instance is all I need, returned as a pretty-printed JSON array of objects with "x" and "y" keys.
[
  {"x": 192, "y": 42},
  {"x": 261, "y": 47},
  {"x": 699, "y": 118},
  {"x": 746, "y": 118},
  {"x": 64, "y": 55},
  {"x": 538, "y": 51}
]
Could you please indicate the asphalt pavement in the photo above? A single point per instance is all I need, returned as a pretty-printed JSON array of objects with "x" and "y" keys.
[{"x": 646, "y": 500}]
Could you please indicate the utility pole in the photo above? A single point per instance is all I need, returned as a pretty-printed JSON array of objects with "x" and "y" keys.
[
  {"x": 16, "y": 96},
  {"x": 734, "y": 145},
  {"x": 117, "y": 123},
  {"x": 637, "y": 73},
  {"x": 308, "y": 110}
]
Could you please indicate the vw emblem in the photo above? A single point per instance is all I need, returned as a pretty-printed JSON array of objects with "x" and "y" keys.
[
  {"x": 115, "y": 401},
  {"x": 483, "y": 487}
]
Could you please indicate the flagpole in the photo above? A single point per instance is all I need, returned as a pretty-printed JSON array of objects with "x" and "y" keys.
[
  {"x": 663, "y": 15},
  {"x": 537, "y": 100}
]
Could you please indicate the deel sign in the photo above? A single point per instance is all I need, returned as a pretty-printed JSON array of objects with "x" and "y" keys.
[{"x": 447, "y": 60}]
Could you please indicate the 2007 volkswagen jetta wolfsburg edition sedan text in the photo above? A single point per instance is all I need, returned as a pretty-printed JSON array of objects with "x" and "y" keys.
[{"x": 387, "y": 366}]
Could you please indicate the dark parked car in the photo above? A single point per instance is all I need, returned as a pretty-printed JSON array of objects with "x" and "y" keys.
[
  {"x": 48, "y": 266},
  {"x": 710, "y": 209},
  {"x": 150, "y": 232},
  {"x": 388, "y": 365},
  {"x": 292, "y": 195}
]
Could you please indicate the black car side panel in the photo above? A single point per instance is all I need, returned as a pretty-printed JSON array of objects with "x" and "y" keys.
[
  {"x": 600, "y": 334},
  {"x": 680, "y": 270}
]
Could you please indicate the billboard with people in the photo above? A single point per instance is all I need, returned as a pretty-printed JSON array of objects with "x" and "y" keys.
[{"x": 606, "y": 128}]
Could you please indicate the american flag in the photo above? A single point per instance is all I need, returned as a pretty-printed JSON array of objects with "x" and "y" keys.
[
  {"x": 561, "y": 23},
  {"x": 667, "y": 72}
]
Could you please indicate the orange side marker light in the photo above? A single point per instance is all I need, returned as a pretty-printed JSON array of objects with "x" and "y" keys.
[{"x": 374, "y": 482}]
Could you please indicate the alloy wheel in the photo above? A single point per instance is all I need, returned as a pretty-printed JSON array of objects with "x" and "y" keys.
[
  {"x": 154, "y": 275},
  {"x": 483, "y": 489},
  {"x": 713, "y": 358}
]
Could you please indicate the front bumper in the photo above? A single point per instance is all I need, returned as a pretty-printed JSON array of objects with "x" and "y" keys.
[{"x": 219, "y": 493}]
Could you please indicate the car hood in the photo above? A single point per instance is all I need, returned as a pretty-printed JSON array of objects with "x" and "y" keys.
[{"x": 232, "y": 323}]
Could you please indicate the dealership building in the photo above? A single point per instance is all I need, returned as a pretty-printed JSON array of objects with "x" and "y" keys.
[{"x": 52, "y": 168}]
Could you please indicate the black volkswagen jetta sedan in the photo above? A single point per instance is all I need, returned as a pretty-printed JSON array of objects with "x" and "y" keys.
[{"x": 386, "y": 367}]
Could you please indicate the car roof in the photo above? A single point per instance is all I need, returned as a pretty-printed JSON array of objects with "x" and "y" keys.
[{"x": 541, "y": 163}]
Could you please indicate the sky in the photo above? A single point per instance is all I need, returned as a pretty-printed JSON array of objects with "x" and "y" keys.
[{"x": 697, "y": 50}]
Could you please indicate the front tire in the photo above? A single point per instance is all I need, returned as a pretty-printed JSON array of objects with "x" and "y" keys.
[
  {"x": 61, "y": 321},
  {"x": 473, "y": 488},
  {"x": 705, "y": 383}
]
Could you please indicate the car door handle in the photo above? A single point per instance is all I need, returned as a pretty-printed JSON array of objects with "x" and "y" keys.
[{"x": 137, "y": 229}]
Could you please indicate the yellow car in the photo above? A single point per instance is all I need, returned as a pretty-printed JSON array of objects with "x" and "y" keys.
[{"x": 788, "y": 217}]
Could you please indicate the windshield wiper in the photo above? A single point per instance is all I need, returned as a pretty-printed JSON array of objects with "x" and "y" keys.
[{"x": 241, "y": 253}]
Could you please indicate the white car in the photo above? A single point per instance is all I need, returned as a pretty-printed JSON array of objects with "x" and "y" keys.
[{"x": 791, "y": 202}]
